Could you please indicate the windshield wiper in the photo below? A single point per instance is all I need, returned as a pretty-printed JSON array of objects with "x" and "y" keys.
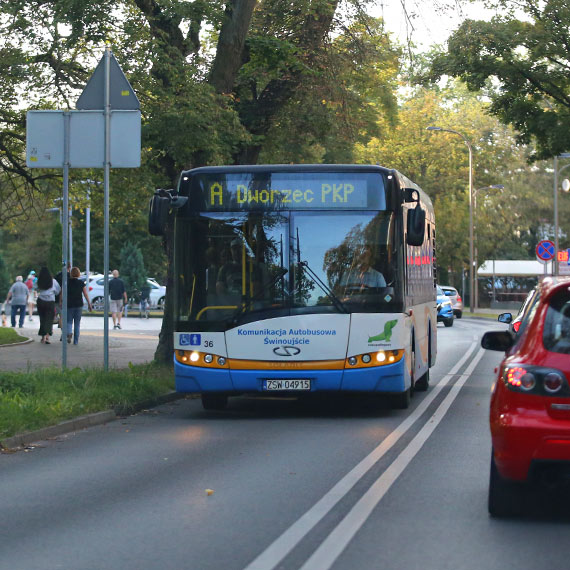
[
  {"x": 336, "y": 301},
  {"x": 234, "y": 319}
]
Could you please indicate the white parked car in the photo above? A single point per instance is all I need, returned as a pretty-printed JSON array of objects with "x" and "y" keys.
[{"x": 97, "y": 285}]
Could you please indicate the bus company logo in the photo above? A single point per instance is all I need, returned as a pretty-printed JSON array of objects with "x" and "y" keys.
[
  {"x": 187, "y": 339},
  {"x": 286, "y": 350}
]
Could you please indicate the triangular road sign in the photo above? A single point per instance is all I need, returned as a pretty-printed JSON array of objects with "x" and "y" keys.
[{"x": 121, "y": 93}]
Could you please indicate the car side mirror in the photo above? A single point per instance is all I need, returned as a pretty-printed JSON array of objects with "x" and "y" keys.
[
  {"x": 505, "y": 318},
  {"x": 497, "y": 340}
]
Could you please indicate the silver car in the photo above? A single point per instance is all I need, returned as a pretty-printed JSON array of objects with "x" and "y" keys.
[{"x": 455, "y": 298}]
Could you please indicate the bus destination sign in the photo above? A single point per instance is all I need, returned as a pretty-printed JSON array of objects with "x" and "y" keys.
[{"x": 286, "y": 193}]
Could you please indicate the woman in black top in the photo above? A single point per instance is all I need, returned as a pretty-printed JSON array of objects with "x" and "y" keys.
[{"x": 76, "y": 290}]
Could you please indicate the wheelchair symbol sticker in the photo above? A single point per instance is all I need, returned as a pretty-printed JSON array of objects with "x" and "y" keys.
[{"x": 187, "y": 339}]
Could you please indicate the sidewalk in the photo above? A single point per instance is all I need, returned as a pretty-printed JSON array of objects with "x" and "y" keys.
[
  {"x": 491, "y": 314},
  {"x": 136, "y": 342}
]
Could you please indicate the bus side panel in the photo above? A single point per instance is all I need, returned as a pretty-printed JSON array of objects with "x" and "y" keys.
[{"x": 424, "y": 320}]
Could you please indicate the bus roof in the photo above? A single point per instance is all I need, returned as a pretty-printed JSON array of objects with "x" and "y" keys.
[
  {"x": 289, "y": 168},
  {"x": 405, "y": 182}
]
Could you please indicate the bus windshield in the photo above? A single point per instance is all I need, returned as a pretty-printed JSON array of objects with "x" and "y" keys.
[{"x": 236, "y": 267}]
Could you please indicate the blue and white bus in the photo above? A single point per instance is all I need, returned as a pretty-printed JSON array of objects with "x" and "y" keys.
[{"x": 292, "y": 279}]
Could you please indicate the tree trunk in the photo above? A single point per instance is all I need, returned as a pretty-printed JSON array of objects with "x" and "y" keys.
[
  {"x": 229, "y": 51},
  {"x": 224, "y": 71}
]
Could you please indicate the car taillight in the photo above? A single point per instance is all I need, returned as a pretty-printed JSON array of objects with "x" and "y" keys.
[
  {"x": 553, "y": 382},
  {"x": 517, "y": 326},
  {"x": 520, "y": 378},
  {"x": 90, "y": 288},
  {"x": 536, "y": 379},
  {"x": 459, "y": 298}
]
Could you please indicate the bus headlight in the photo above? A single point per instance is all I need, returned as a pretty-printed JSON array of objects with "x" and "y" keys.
[
  {"x": 221, "y": 361},
  {"x": 208, "y": 358},
  {"x": 380, "y": 358}
]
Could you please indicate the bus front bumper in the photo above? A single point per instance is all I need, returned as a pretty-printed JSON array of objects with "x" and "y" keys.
[{"x": 195, "y": 379}]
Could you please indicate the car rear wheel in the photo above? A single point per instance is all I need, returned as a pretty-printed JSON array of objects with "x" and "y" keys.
[
  {"x": 98, "y": 303},
  {"x": 505, "y": 497},
  {"x": 448, "y": 322},
  {"x": 214, "y": 401},
  {"x": 458, "y": 314}
]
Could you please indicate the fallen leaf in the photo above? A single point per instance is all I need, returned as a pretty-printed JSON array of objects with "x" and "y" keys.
[{"x": 209, "y": 492}]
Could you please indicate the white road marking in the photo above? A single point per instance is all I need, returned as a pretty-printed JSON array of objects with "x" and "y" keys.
[
  {"x": 285, "y": 543},
  {"x": 331, "y": 548}
]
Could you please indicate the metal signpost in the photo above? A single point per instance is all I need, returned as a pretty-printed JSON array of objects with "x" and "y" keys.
[{"x": 104, "y": 132}]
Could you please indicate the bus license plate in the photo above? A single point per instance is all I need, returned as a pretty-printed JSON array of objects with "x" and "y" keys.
[{"x": 282, "y": 384}]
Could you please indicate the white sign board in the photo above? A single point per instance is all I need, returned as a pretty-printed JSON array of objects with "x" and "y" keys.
[{"x": 45, "y": 139}]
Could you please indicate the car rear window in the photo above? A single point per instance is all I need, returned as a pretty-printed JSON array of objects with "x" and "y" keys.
[{"x": 556, "y": 336}]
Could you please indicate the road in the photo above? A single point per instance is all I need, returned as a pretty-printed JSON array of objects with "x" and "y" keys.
[{"x": 292, "y": 485}]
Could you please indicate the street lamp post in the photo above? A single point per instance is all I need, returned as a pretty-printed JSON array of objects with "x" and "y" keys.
[
  {"x": 471, "y": 259},
  {"x": 475, "y": 192}
]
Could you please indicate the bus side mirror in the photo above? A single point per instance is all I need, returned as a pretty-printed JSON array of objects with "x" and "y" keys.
[
  {"x": 158, "y": 214},
  {"x": 416, "y": 226},
  {"x": 158, "y": 209}
]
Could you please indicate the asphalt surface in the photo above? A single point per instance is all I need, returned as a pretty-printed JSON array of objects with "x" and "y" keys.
[
  {"x": 281, "y": 484},
  {"x": 136, "y": 342}
]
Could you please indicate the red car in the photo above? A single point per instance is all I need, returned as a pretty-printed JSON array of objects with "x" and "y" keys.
[{"x": 530, "y": 403}]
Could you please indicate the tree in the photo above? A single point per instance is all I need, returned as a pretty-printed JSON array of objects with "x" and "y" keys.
[
  {"x": 508, "y": 224},
  {"x": 522, "y": 66},
  {"x": 216, "y": 80},
  {"x": 55, "y": 256},
  {"x": 132, "y": 269},
  {"x": 5, "y": 281}
]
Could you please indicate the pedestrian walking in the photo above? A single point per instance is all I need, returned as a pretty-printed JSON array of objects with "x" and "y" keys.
[
  {"x": 118, "y": 294},
  {"x": 18, "y": 297},
  {"x": 32, "y": 285},
  {"x": 48, "y": 288},
  {"x": 76, "y": 290}
]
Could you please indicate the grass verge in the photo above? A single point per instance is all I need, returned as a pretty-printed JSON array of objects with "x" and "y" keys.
[
  {"x": 41, "y": 398},
  {"x": 10, "y": 336}
]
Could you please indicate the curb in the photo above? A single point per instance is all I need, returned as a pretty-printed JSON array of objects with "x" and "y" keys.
[{"x": 98, "y": 418}]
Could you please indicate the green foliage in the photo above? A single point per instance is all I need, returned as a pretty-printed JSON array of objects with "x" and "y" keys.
[
  {"x": 522, "y": 65},
  {"x": 55, "y": 256},
  {"x": 5, "y": 281},
  {"x": 37, "y": 399},
  {"x": 507, "y": 224},
  {"x": 132, "y": 269}
]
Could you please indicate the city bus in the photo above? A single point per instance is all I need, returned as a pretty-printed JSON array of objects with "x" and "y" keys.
[{"x": 300, "y": 279}]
